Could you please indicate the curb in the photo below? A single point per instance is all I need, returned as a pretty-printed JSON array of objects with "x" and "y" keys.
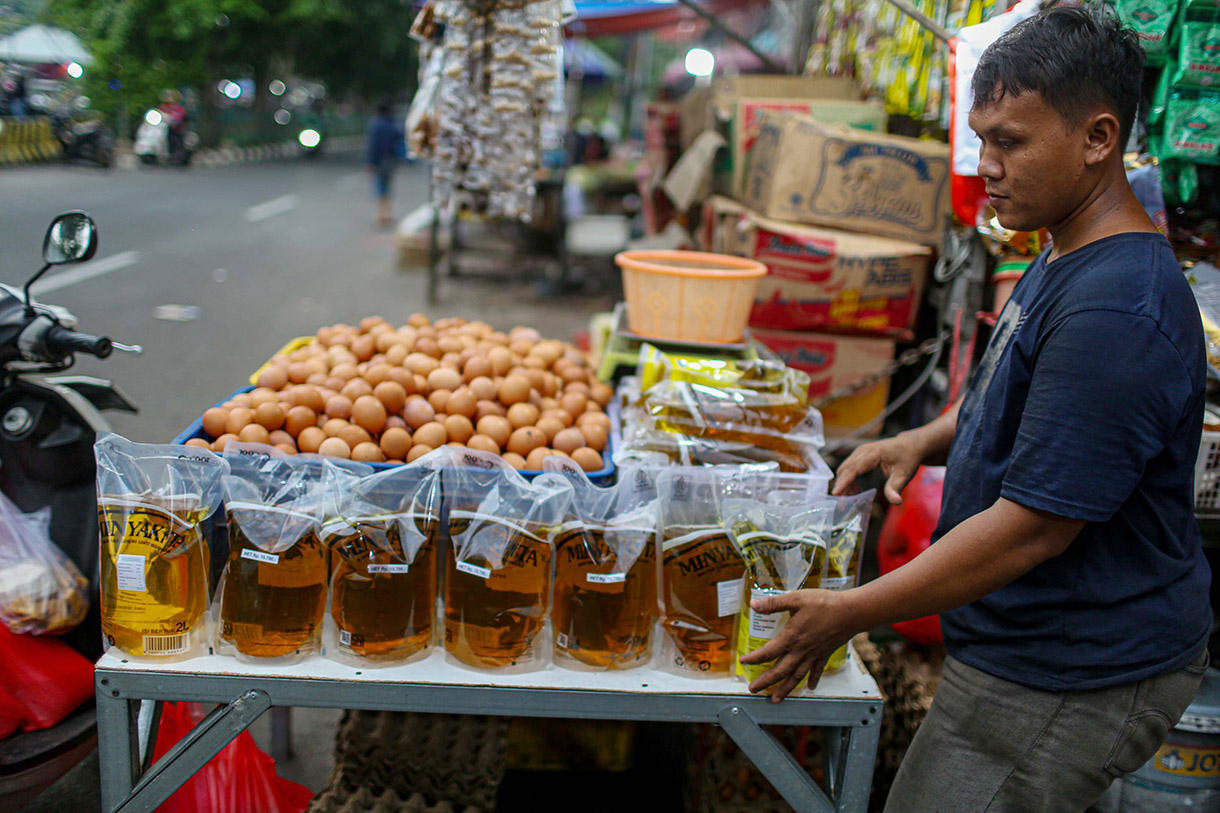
[{"x": 225, "y": 156}]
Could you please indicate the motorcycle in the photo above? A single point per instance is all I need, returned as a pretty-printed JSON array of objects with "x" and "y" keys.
[
  {"x": 156, "y": 143},
  {"x": 89, "y": 140},
  {"x": 47, "y": 429}
]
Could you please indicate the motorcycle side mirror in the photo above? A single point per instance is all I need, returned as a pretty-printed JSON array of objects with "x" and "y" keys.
[{"x": 72, "y": 238}]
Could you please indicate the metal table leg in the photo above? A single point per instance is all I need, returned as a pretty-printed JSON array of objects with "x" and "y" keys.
[
  {"x": 281, "y": 733},
  {"x": 859, "y": 754},
  {"x": 117, "y": 750},
  {"x": 774, "y": 762}
]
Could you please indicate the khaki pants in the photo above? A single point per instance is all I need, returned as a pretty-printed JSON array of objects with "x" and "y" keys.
[{"x": 989, "y": 744}]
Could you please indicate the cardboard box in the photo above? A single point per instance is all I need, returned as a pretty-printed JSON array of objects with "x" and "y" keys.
[
  {"x": 833, "y": 361},
  {"x": 819, "y": 279},
  {"x": 801, "y": 170},
  {"x": 720, "y": 227},
  {"x": 701, "y": 108}
]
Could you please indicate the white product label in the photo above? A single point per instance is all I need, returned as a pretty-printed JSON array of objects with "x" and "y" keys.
[
  {"x": 765, "y": 625},
  {"x": 605, "y": 578},
  {"x": 837, "y": 583},
  {"x": 165, "y": 644},
  {"x": 728, "y": 597},
  {"x": 345, "y": 637},
  {"x": 130, "y": 567},
  {"x": 389, "y": 568},
  {"x": 562, "y": 640},
  {"x": 260, "y": 556},
  {"x": 474, "y": 570}
]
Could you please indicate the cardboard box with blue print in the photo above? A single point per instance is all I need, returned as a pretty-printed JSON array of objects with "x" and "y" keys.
[{"x": 804, "y": 171}]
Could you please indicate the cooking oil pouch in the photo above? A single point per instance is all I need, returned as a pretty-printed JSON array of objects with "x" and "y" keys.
[
  {"x": 498, "y": 573},
  {"x": 701, "y": 572},
  {"x": 605, "y": 603},
  {"x": 778, "y": 421},
  {"x": 272, "y": 593},
  {"x": 42, "y": 592},
  {"x": 1192, "y": 126},
  {"x": 784, "y": 548},
  {"x": 383, "y": 541},
  {"x": 845, "y": 554},
  {"x": 766, "y": 374},
  {"x": 152, "y": 503},
  {"x": 1198, "y": 55},
  {"x": 1152, "y": 21}
]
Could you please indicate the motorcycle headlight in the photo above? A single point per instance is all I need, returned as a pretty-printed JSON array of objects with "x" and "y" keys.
[
  {"x": 309, "y": 138},
  {"x": 153, "y": 117}
]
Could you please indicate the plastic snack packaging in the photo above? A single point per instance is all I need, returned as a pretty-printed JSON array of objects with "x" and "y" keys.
[
  {"x": 498, "y": 572},
  {"x": 846, "y": 552},
  {"x": 152, "y": 503},
  {"x": 1192, "y": 126},
  {"x": 273, "y": 589},
  {"x": 1152, "y": 21},
  {"x": 701, "y": 572},
  {"x": 383, "y": 538},
  {"x": 41, "y": 591},
  {"x": 784, "y": 548},
  {"x": 1198, "y": 55},
  {"x": 605, "y": 603}
]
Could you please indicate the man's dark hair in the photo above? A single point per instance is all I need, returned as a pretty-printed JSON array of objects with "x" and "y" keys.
[{"x": 1077, "y": 60}]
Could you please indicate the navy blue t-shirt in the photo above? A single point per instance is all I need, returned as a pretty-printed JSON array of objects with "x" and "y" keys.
[{"x": 1088, "y": 404}]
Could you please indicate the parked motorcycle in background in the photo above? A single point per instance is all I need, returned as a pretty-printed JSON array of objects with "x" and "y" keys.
[
  {"x": 83, "y": 137},
  {"x": 157, "y": 142}
]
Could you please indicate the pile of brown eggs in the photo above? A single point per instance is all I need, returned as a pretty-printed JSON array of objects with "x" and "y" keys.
[{"x": 377, "y": 393}]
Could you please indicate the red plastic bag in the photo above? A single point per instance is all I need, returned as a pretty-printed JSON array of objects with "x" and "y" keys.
[
  {"x": 906, "y": 533},
  {"x": 12, "y": 713},
  {"x": 44, "y": 678},
  {"x": 239, "y": 779}
]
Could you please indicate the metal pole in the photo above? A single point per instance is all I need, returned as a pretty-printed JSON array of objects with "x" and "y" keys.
[
  {"x": 938, "y": 30},
  {"x": 715, "y": 23}
]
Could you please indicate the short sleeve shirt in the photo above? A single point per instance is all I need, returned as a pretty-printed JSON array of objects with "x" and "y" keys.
[{"x": 1088, "y": 404}]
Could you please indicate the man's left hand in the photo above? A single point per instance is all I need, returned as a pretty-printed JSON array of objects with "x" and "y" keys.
[{"x": 818, "y": 624}]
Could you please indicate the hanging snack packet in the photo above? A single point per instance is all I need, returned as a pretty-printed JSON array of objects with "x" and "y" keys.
[
  {"x": 846, "y": 552},
  {"x": 152, "y": 503},
  {"x": 784, "y": 549},
  {"x": 498, "y": 572},
  {"x": 273, "y": 590},
  {"x": 701, "y": 572},
  {"x": 1151, "y": 21},
  {"x": 1192, "y": 126},
  {"x": 1198, "y": 55},
  {"x": 383, "y": 540},
  {"x": 605, "y": 601}
]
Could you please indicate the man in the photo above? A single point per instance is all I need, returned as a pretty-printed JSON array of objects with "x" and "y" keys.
[
  {"x": 1067, "y": 564},
  {"x": 385, "y": 147}
]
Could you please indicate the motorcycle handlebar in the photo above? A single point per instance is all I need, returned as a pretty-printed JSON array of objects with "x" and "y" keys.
[{"x": 63, "y": 342}]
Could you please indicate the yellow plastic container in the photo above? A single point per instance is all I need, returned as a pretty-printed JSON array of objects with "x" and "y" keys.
[{"x": 689, "y": 295}]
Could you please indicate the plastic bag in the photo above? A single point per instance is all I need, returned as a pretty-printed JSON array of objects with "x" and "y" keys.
[
  {"x": 41, "y": 590},
  {"x": 383, "y": 543},
  {"x": 1192, "y": 126},
  {"x": 498, "y": 572},
  {"x": 784, "y": 548},
  {"x": 152, "y": 503},
  {"x": 240, "y": 779},
  {"x": 1198, "y": 55},
  {"x": 273, "y": 589},
  {"x": 605, "y": 603},
  {"x": 1152, "y": 21},
  {"x": 906, "y": 533},
  {"x": 846, "y": 551},
  {"x": 42, "y": 682}
]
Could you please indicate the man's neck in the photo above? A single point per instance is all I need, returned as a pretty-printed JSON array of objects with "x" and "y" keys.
[{"x": 1111, "y": 208}]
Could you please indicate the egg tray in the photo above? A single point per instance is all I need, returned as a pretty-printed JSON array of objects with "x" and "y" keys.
[{"x": 603, "y": 477}]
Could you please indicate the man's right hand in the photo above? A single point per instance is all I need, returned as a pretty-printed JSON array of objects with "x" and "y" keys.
[{"x": 897, "y": 457}]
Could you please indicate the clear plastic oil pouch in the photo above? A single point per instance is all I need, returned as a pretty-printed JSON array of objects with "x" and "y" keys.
[
  {"x": 845, "y": 553},
  {"x": 383, "y": 541},
  {"x": 152, "y": 503},
  {"x": 605, "y": 604},
  {"x": 497, "y": 586}
]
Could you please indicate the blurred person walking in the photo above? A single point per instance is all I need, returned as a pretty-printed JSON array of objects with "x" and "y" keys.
[{"x": 385, "y": 146}]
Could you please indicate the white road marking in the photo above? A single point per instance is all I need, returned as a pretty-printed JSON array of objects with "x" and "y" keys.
[
  {"x": 271, "y": 208},
  {"x": 87, "y": 271}
]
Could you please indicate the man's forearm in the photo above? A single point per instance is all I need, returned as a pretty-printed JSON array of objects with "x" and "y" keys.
[
  {"x": 935, "y": 437},
  {"x": 979, "y": 556}
]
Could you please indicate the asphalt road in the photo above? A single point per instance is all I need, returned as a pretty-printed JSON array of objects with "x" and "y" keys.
[{"x": 265, "y": 251}]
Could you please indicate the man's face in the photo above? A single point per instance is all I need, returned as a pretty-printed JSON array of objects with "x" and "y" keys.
[{"x": 1032, "y": 162}]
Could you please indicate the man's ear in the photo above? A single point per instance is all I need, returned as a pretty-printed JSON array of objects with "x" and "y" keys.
[{"x": 1102, "y": 134}]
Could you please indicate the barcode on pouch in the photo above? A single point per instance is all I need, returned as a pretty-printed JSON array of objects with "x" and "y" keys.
[{"x": 165, "y": 644}]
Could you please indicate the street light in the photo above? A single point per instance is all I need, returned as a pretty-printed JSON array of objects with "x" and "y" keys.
[
  {"x": 75, "y": 70},
  {"x": 232, "y": 90},
  {"x": 700, "y": 62}
]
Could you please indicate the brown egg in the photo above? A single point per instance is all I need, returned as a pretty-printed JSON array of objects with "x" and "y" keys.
[
  {"x": 514, "y": 390},
  {"x": 595, "y": 437},
  {"x": 421, "y": 384},
  {"x": 200, "y": 443},
  {"x": 214, "y": 421},
  {"x": 495, "y": 427},
  {"x": 577, "y": 386},
  {"x": 588, "y": 459},
  {"x": 449, "y": 344},
  {"x": 403, "y": 378},
  {"x": 340, "y": 406},
  {"x": 385, "y": 340},
  {"x": 335, "y": 447},
  {"x": 561, "y": 415},
  {"x": 484, "y": 388},
  {"x": 550, "y": 427},
  {"x": 594, "y": 419},
  {"x": 298, "y": 418},
  {"x": 462, "y": 401},
  {"x": 497, "y": 337},
  {"x": 368, "y": 453},
  {"x": 308, "y": 396},
  {"x": 533, "y": 461},
  {"x": 485, "y": 408},
  {"x": 286, "y": 448},
  {"x": 481, "y": 443},
  {"x": 534, "y": 363},
  {"x": 269, "y": 416},
  {"x": 334, "y": 384},
  {"x": 573, "y": 402},
  {"x": 395, "y": 443},
  {"x": 548, "y": 404},
  {"x": 310, "y": 439},
  {"x": 574, "y": 373},
  {"x": 444, "y": 378},
  {"x": 375, "y": 374},
  {"x": 356, "y": 389},
  {"x": 273, "y": 378},
  {"x": 514, "y": 460},
  {"x": 428, "y": 347},
  {"x": 221, "y": 442},
  {"x": 254, "y": 433},
  {"x": 345, "y": 371},
  {"x": 417, "y": 412},
  {"x": 279, "y": 436},
  {"x": 395, "y": 422},
  {"x": 523, "y": 333},
  {"x": 550, "y": 386},
  {"x": 420, "y": 363},
  {"x": 501, "y": 359},
  {"x": 592, "y": 408},
  {"x": 334, "y": 427},
  {"x": 370, "y": 322},
  {"x": 601, "y": 393},
  {"x": 354, "y": 435},
  {"x": 317, "y": 380},
  {"x": 298, "y": 372},
  {"x": 439, "y": 399},
  {"x": 417, "y": 451},
  {"x": 476, "y": 367},
  {"x": 239, "y": 418},
  {"x": 363, "y": 347},
  {"x": 391, "y": 394},
  {"x": 520, "y": 415},
  {"x": 548, "y": 351},
  {"x": 569, "y": 440},
  {"x": 368, "y": 412},
  {"x": 525, "y": 440},
  {"x": 396, "y": 354},
  {"x": 431, "y": 434},
  {"x": 459, "y": 428}
]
